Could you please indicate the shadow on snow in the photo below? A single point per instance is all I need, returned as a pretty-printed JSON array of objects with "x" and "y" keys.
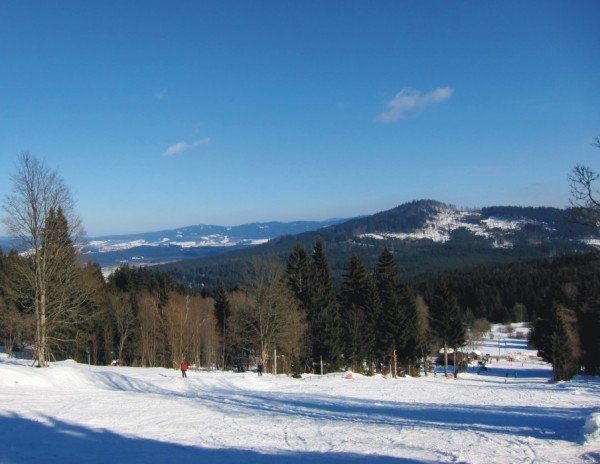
[
  {"x": 30, "y": 441},
  {"x": 523, "y": 421}
]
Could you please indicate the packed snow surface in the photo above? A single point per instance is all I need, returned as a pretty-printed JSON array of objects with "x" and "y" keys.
[{"x": 74, "y": 413}]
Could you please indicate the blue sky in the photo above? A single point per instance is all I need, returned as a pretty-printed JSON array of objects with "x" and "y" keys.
[{"x": 165, "y": 114}]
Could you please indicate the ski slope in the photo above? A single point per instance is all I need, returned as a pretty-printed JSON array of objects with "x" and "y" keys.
[{"x": 74, "y": 413}]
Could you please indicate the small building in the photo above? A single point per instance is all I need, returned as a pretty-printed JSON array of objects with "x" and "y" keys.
[{"x": 461, "y": 357}]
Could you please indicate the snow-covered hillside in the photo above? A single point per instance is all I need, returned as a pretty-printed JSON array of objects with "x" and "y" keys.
[
  {"x": 74, "y": 413},
  {"x": 444, "y": 220}
]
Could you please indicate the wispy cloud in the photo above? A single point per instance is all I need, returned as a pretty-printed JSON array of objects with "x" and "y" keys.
[
  {"x": 160, "y": 95},
  {"x": 408, "y": 100},
  {"x": 180, "y": 147}
]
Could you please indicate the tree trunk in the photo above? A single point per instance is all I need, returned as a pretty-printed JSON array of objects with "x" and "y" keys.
[
  {"x": 121, "y": 348},
  {"x": 445, "y": 359},
  {"x": 42, "y": 331},
  {"x": 454, "y": 359}
]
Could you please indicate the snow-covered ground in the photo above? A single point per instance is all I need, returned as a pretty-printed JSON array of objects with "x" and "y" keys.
[{"x": 74, "y": 413}]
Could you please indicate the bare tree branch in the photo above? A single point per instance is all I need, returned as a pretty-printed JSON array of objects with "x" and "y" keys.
[{"x": 585, "y": 196}]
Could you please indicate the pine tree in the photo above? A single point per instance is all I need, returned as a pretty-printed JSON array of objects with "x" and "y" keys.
[
  {"x": 298, "y": 275},
  {"x": 222, "y": 314},
  {"x": 298, "y": 278},
  {"x": 391, "y": 316},
  {"x": 371, "y": 327},
  {"x": 446, "y": 321},
  {"x": 589, "y": 328},
  {"x": 409, "y": 343},
  {"x": 323, "y": 315},
  {"x": 557, "y": 339},
  {"x": 69, "y": 294},
  {"x": 353, "y": 302}
]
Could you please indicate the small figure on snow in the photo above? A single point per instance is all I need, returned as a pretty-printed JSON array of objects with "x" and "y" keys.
[
  {"x": 506, "y": 377},
  {"x": 261, "y": 368},
  {"x": 184, "y": 367}
]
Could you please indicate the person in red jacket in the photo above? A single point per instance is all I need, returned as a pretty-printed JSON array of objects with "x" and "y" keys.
[{"x": 184, "y": 367}]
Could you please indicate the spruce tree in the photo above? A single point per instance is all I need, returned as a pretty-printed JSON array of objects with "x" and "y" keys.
[
  {"x": 298, "y": 278},
  {"x": 391, "y": 316},
  {"x": 410, "y": 343},
  {"x": 371, "y": 327},
  {"x": 323, "y": 315},
  {"x": 298, "y": 274},
  {"x": 558, "y": 342},
  {"x": 589, "y": 328},
  {"x": 222, "y": 308},
  {"x": 222, "y": 313},
  {"x": 68, "y": 295},
  {"x": 353, "y": 302},
  {"x": 446, "y": 321}
]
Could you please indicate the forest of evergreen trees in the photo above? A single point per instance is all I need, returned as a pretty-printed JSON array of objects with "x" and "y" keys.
[{"x": 372, "y": 321}]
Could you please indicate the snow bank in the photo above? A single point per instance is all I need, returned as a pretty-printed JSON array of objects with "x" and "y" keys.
[{"x": 591, "y": 429}]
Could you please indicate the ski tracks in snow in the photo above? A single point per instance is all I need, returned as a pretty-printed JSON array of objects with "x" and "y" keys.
[{"x": 476, "y": 419}]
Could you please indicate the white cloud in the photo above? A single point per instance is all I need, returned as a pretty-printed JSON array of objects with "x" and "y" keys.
[
  {"x": 160, "y": 95},
  {"x": 180, "y": 147},
  {"x": 408, "y": 100}
]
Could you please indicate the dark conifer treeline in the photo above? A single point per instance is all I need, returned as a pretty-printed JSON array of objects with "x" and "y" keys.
[
  {"x": 372, "y": 324},
  {"x": 386, "y": 321},
  {"x": 372, "y": 321},
  {"x": 560, "y": 298}
]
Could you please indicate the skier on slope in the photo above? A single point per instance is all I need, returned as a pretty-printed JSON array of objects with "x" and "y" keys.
[{"x": 184, "y": 367}]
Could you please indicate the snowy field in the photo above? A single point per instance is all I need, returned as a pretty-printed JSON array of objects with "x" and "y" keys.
[{"x": 74, "y": 413}]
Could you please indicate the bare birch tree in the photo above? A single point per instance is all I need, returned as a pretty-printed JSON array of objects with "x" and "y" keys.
[{"x": 50, "y": 273}]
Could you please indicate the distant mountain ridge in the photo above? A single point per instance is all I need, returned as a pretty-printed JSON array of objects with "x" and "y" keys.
[
  {"x": 426, "y": 235},
  {"x": 189, "y": 242}
]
